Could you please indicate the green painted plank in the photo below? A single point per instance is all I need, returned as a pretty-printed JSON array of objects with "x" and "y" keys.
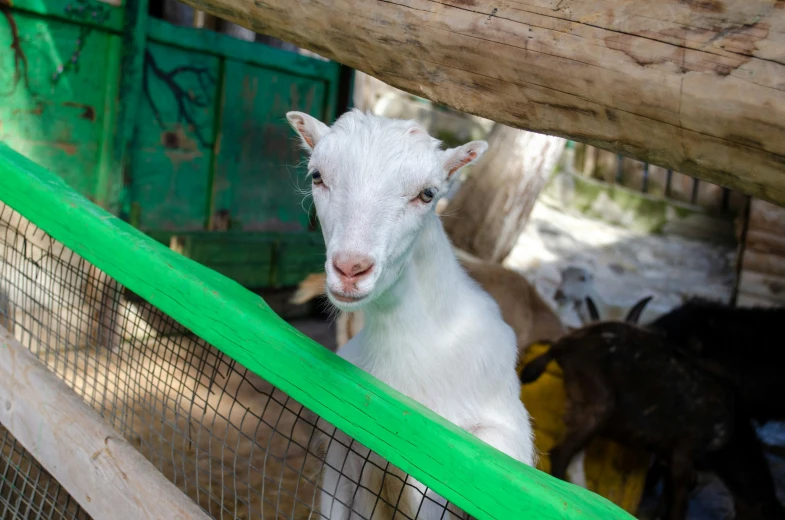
[
  {"x": 93, "y": 13},
  {"x": 218, "y": 133},
  {"x": 254, "y": 260},
  {"x": 296, "y": 256},
  {"x": 110, "y": 173},
  {"x": 256, "y": 179},
  {"x": 113, "y": 192},
  {"x": 218, "y": 44},
  {"x": 174, "y": 137},
  {"x": 481, "y": 480},
  {"x": 245, "y": 258},
  {"x": 51, "y": 111}
]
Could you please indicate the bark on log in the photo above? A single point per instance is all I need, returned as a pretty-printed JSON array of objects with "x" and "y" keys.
[
  {"x": 491, "y": 208},
  {"x": 693, "y": 85}
]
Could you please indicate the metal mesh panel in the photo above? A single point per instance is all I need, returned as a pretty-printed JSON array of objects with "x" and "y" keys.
[
  {"x": 27, "y": 490},
  {"x": 230, "y": 440}
]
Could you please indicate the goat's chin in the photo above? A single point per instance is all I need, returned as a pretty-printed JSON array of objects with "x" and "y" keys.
[{"x": 348, "y": 302}]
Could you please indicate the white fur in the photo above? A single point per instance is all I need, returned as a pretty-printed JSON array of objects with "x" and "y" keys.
[{"x": 430, "y": 331}]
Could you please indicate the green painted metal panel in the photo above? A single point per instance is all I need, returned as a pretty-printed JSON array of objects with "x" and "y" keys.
[
  {"x": 93, "y": 13},
  {"x": 246, "y": 258},
  {"x": 242, "y": 51},
  {"x": 113, "y": 185},
  {"x": 255, "y": 176},
  {"x": 166, "y": 124},
  {"x": 174, "y": 138},
  {"x": 486, "y": 483},
  {"x": 254, "y": 260},
  {"x": 54, "y": 80},
  {"x": 297, "y": 255}
]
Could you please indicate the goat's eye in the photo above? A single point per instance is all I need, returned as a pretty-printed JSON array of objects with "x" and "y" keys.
[
  {"x": 427, "y": 195},
  {"x": 316, "y": 177}
]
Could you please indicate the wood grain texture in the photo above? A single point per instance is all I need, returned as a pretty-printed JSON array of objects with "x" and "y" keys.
[
  {"x": 762, "y": 276},
  {"x": 100, "y": 469},
  {"x": 476, "y": 477},
  {"x": 491, "y": 209},
  {"x": 696, "y": 86}
]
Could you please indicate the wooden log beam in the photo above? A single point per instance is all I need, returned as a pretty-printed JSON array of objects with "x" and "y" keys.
[{"x": 693, "y": 85}]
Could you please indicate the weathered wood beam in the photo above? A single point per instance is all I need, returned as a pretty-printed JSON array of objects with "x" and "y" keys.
[
  {"x": 693, "y": 85},
  {"x": 107, "y": 476}
]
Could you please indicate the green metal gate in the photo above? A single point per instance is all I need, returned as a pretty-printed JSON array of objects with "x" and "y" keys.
[{"x": 172, "y": 128}]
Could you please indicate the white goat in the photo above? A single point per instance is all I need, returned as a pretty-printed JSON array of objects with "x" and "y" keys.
[
  {"x": 430, "y": 331},
  {"x": 577, "y": 284}
]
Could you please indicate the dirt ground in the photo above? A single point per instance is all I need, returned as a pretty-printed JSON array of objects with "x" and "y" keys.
[{"x": 626, "y": 265}]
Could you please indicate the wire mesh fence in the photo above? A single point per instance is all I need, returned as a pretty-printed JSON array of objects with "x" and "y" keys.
[
  {"x": 27, "y": 491},
  {"x": 235, "y": 444}
]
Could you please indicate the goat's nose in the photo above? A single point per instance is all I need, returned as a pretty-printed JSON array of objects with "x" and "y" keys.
[{"x": 350, "y": 265}]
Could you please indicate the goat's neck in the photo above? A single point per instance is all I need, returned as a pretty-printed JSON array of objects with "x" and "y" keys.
[{"x": 427, "y": 292}]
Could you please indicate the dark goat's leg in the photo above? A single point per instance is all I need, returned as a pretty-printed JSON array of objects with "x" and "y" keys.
[
  {"x": 678, "y": 482},
  {"x": 580, "y": 430},
  {"x": 743, "y": 468},
  {"x": 590, "y": 403}
]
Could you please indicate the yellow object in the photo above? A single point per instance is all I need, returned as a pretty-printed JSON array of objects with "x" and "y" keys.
[{"x": 613, "y": 471}]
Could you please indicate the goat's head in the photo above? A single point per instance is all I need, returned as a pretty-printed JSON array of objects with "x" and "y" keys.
[
  {"x": 575, "y": 286},
  {"x": 375, "y": 183}
]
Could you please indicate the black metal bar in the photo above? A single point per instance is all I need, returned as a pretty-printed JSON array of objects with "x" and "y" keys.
[
  {"x": 668, "y": 180},
  {"x": 345, "y": 89},
  {"x": 725, "y": 199},
  {"x": 694, "y": 197},
  {"x": 742, "y": 248},
  {"x": 645, "y": 186},
  {"x": 619, "y": 168}
]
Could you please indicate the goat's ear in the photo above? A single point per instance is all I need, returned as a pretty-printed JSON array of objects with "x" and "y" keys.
[
  {"x": 635, "y": 313},
  {"x": 457, "y": 158},
  {"x": 307, "y": 127},
  {"x": 594, "y": 314}
]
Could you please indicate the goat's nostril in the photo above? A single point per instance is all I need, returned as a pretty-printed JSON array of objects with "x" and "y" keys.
[
  {"x": 337, "y": 267},
  {"x": 362, "y": 269},
  {"x": 352, "y": 266}
]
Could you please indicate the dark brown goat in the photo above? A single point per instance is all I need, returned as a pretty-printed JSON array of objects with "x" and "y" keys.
[
  {"x": 743, "y": 344},
  {"x": 624, "y": 383}
]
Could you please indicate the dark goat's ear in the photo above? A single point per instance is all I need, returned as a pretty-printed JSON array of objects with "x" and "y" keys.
[
  {"x": 635, "y": 313},
  {"x": 594, "y": 314}
]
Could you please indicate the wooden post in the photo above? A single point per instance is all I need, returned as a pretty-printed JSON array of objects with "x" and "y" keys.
[
  {"x": 492, "y": 207},
  {"x": 695, "y": 86},
  {"x": 93, "y": 462}
]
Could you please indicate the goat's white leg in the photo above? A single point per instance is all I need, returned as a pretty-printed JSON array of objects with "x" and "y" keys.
[
  {"x": 515, "y": 442},
  {"x": 342, "y": 328},
  {"x": 340, "y": 475},
  {"x": 421, "y": 503},
  {"x": 576, "y": 470}
]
